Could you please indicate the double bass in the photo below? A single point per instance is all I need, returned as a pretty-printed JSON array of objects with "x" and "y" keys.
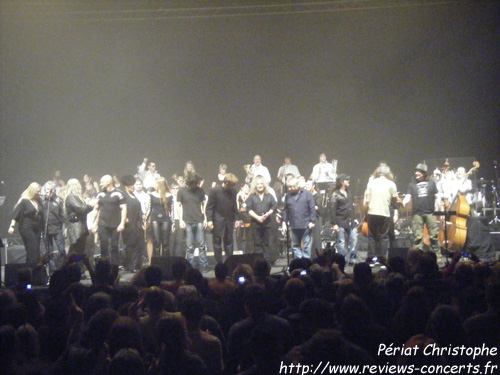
[{"x": 453, "y": 233}]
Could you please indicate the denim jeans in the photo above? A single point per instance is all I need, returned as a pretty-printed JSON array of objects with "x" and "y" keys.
[
  {"x": 195, "y": 233},
  {"x": 301, "y": 236},
  {"x": 351, "y": 235},
  {"x": 55, "y": 261}
]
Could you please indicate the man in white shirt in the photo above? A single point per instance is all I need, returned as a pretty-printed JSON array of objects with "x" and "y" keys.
[
  {"x": 258, "y": 169},
  {"x": 380, "y": 194},
  {"x": 324, "y": 171},
  {"x": 286, "y": 169},
  {"x": 148, "y": 174},
  {"x": 454, "y": 184}
]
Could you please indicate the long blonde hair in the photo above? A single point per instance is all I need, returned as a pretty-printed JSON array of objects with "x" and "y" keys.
[
  {"x": 73, "y": 187},
  {"x": 254, "y": 185},
  {"x": 30, "y": 192},
  {"x": 193, "y": 169},
  {"x": 163, "y": 191}
]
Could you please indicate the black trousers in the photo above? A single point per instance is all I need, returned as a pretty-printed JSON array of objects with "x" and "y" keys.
[
  {"x": 261, "y": 235},
  {"x": 133, "y": 239},
  {"x": 223, "y": 231},
  {"x": 161, "y": 238},
  {"x": 108, "y": 238},
  {"x": 31, "y": 239},
  {"x": 378, "y": 235}
]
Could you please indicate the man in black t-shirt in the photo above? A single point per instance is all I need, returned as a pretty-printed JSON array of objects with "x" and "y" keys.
[
  {"x": 111, "y": 216},
  {"x": 191, "y": 211},
  {"x": 422, "y": 192}
]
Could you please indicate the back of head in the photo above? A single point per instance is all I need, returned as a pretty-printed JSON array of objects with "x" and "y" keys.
[
  {"x": 153, "y": 276},
  {"x": 128, "y": 180},
  {"x": 362, "y": 273},
  {"x": 418, "y": 343},
  {"x": 396, "y": 265},
  {"x": 103, "y": 272},
  {"x": 329, "y": 343},
  {"x": 340, "y": 260},
  {"x": 193, "y": 180},
  {"x": 184, "y": 292},
  {"x": 243, "y": 270},
  {"x": 384, "y": 170},
  {"x": 127, "y": 361},
  {"x": 493, "y": 296},
  {"x": 354, "y": 312},
  {"x": 294, "y": 292},
  {"x": 302, "y": 263},
  {"x": 221, "y": 271},
  {"x": 9, "y": 343},
  {"x": 170, "y": 332},
  {"x": 28, "y": 340},
  {"x": 445, "y": 326},
  {"x": 261, "y": 268},
  {"x": 464, "y": 274},
  {"x": 15, "y": 315},
  {"x": 179, "y": 269},
  {"x": 97, "y": 301},
  {"x": 265, "y": 343},
  {"x": 99, "y": 325},
  {"x": 255, "y": 300},
  {"x": 195, "y": 277},
  {"x": 192, "y": 309},
  {"x": 124, "y": 333},
  {"x": 427, "y": 266},
  {"x": 155, "y": 299},
  {"x": 318, "y": 313}
]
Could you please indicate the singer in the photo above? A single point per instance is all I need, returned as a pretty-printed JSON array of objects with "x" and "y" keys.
[{"x": 299, "y": 215}]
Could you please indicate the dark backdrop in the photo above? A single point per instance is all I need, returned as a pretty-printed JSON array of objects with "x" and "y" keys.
[{"x": 93, "y": 87}]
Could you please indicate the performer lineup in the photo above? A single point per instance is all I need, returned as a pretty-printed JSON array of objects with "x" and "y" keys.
[{"x": 155, "y": 217}]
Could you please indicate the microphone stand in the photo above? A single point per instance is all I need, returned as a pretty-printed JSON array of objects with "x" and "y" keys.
[
  {"x": 45, "y": 237},
  {"x": 287, "y": 245},
  {"x": 494, "y": 188}
]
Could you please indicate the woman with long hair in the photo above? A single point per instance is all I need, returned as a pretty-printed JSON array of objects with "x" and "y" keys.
[
  {"x": 91, "y": 187},
  {"x": 76, "y": 210},
  {"x": 161, "y": 205},
  {"x": 189, "y": 169},
  {"x": 28, "y": 214},
  {"x": 220, "y": 176}
]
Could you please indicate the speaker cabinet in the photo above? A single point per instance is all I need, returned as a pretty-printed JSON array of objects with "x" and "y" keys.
[
  {"x": 234, "y": 260},
  {"x": 166, "y": 263},
  {"x": 11, "y": 273}
]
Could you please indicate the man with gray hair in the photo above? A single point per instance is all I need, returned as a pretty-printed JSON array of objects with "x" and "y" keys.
[
  {"x": 299, "y": 215},
  {"x": 381, "y": 192}
]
